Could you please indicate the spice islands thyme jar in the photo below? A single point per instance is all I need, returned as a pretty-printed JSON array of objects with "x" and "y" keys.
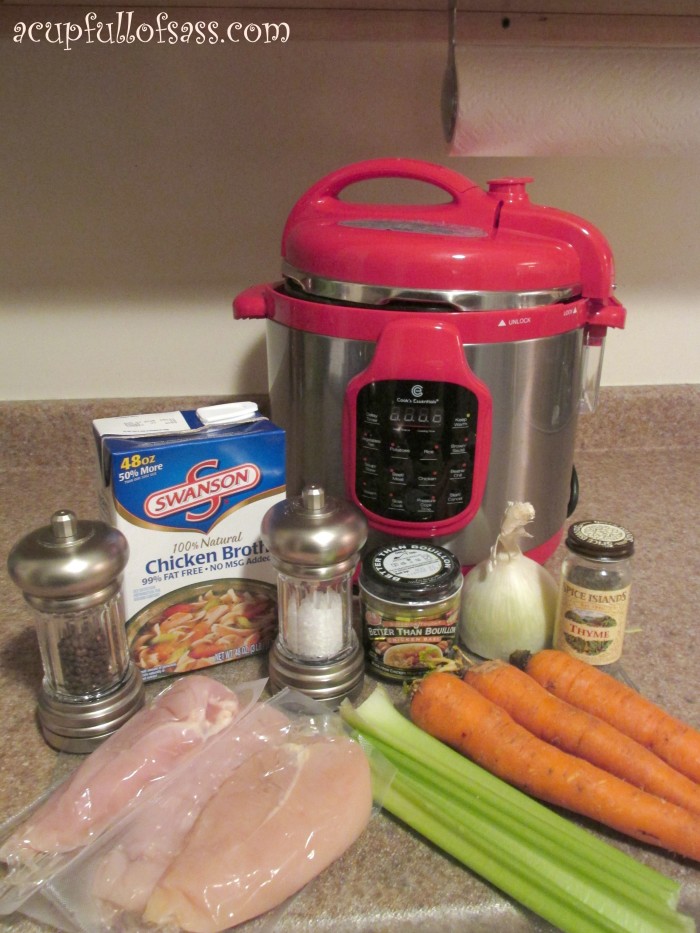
[
  {"x": 594, "y": 592},
  {"x": 410, "y": 598}
]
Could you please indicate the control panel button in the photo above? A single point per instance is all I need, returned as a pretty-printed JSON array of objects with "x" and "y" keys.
[
  {"x": 368, "y": 492},
  {"x": 400, "y": 475},
  {"x": 399, "y": 449},
  {"x": 370, "y": 439},
  {"x": 420, "y": 504}
]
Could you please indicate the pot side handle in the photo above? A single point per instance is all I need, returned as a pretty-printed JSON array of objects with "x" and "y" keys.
[{"x": 254, "y": 302}]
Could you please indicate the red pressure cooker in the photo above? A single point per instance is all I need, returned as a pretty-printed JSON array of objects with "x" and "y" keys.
[{"x": 429, "y": 361}]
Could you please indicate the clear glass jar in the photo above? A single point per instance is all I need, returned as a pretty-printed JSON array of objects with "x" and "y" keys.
[
  {"x": 410, "y": 599},
  {"x": 315, "y": 617},
  {"x": 594, "y": 592},
  {"x": 84, "y": 652}
]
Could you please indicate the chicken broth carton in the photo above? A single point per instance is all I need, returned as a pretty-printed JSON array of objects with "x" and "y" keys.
[{"x": 189, "y": 490}]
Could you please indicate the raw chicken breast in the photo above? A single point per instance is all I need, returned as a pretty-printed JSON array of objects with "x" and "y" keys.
[
  {"x": 144, "y": 750},
  {"x": 129, "y": 870},
  {"x": 281, "y": 818}
]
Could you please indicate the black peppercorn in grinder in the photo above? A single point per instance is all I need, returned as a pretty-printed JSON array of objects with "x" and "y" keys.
[{"x": 70, "y": 573}]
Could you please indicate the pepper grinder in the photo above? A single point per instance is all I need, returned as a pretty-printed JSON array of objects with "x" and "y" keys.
[
  {"x": 70, "y": 573},
  {"x": 315, "y": 541}
]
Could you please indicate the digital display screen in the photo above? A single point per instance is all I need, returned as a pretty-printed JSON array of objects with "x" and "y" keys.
[{"x": 410, "y": 414}]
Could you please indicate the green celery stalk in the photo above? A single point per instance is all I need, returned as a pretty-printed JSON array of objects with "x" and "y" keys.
[
  {"x": 501, "y": 834},
  {"x": 572, "y": 859},
  {"x": 522, "y": 870},
  {"x": 488, "y": 865},
  {"x": 378, "y": 718}
]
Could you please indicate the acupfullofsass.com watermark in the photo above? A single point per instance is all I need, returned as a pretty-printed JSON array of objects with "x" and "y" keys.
[{"x": 164, "y": 30}]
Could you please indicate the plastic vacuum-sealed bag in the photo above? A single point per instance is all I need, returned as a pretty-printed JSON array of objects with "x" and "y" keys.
[
  {"x": 258, "y": 811},
  {"x": 123, "y": 772}
]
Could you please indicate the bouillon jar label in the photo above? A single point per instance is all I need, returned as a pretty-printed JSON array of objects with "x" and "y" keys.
[
  {"x": 402, "y": 647},
  {"x": 591, "y": 623}
]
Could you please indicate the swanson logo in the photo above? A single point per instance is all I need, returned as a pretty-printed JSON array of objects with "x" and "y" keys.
[{"x": 201, "y": 491}]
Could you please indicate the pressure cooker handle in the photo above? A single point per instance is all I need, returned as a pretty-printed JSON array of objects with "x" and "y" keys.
[
  {"x": 332, "y": 185},
  {"x": 468, "y": 202}
]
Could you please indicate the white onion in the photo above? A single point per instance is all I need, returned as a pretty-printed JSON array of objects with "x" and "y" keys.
[{"x": 509, "y": 601}]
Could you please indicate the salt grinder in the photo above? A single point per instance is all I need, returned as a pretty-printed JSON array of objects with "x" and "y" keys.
[
  {"x": 315, "y": 541},
  {"x": 70, "y": 574}
]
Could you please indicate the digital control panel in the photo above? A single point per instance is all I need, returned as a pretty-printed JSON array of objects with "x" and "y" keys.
[{"x": 415, "y": 444}]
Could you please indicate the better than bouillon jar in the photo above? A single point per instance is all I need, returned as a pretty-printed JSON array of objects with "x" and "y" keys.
[
  {"x": 594, "y": 592},
  {"x": 410, "y": 597}
]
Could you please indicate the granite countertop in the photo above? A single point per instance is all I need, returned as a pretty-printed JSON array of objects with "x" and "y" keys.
[{"x": 637, "y": 460}]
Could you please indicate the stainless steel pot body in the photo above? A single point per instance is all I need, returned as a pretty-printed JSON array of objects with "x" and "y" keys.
[{"x": 535, "y": 387}]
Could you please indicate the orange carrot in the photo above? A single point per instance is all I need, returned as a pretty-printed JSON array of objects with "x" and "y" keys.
[
  {"x": 602, "y": 695},
  {"x": 452, "y": 711},
  {"x": 580, "y": 733}
]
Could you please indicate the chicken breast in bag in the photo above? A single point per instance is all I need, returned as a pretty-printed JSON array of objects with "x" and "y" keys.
[
  {"x": 146, "y": 749},
  {"x": 284, "y": 815}
]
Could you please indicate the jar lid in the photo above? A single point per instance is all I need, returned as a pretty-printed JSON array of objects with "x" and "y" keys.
[
  {"x": 314, "y": 533},
  {"x": 600, "y": 540},
  {"x": 69, "y": 559},
  {"x": 411, "y": 572}
]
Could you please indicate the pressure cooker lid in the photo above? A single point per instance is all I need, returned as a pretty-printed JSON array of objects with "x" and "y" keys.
[{"x": 456, "y": 252}]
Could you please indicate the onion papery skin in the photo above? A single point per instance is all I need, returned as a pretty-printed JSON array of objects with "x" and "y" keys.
[{"x": 508, "y": 604}]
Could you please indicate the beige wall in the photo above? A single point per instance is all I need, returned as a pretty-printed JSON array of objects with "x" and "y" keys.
[{"x": 143, "y": 187}]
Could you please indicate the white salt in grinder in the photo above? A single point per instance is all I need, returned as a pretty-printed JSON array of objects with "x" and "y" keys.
[
  {"x": 70, "y": 574},
  {"x": 315, "y": 541}
]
